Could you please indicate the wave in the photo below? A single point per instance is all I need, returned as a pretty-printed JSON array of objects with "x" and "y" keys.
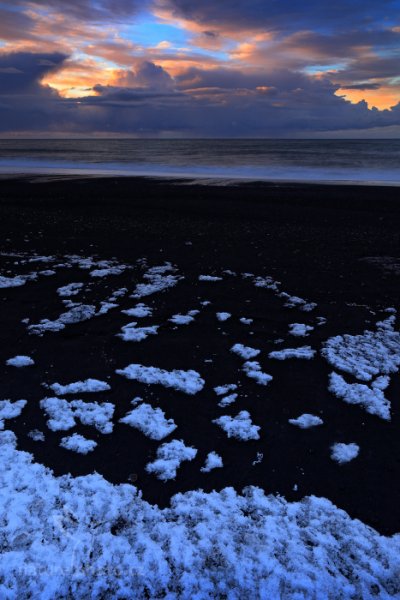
[{"x": 276, "y": 173}]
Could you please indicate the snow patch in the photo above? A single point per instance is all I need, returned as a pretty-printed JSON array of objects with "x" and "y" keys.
[
  {"x": 77, "y": 314},
  {"x": 367, "y": 355},
  {"x": 265, "y": 282},
  {"x": 184, "y": 319},
  {"x": 297, "y": 302},
  {"x": 220, "y": 390},
  {"x": 209, "y": 278},
  {"x": 36, "y": 435},
  {"x": 60, "y": 413},
  {"x": 63, "y": 414},
  {"x": 78, "y": 443},
  {"x": 213, "y": 461},
  {"x": 343, "y": 453},
  {"x": 20, "y": 361},
  {"x": 305, "y": 352},
  {"x": 239, "y": 427},
  {"x": 94, "y": 414},
  {"x": 72, "y": 289},
  {"x": 188, "y": 382},
  {"x": 10, "y": 282},
  {"x": 228, "y": 400},
  {"x": 10, "y": 410},
  {"x": 254, "y": 371},
  {"x": 118, "y": 294},
  {"x": 79, "y": 387},
  {"x": 170, "y": 456},
  {"x": 223, "y": 316},
  {"x": 308, "y": 306},
  {"x": 139, "y": 311},
  {"x": 305, "y": 421},
  {"x": 105, "y": 307},
  {"x": 300, "y": 329},
  {"x": 372, "y": 399},
  {"x": 112, "y": 270},
  {"x": 245, "y": 352},
  {"x": 158, "y": 281},
  {"x": 150, "y": 421},
  {"x": 246, "y": 321},
  {"x": 132, "y": 333}
]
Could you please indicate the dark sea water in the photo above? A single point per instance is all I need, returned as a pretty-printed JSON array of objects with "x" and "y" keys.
[{"x": 358, "y": 161}]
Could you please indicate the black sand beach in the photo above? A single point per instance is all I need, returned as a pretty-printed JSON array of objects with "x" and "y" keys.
[{"x": 314, "y": 239}]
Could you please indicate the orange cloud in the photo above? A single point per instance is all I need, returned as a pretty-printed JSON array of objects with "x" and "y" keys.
[
  {"x": 76, "y": 80},
  {"x": 99, "y": 53},
  {"x": 383, "y": 98},
  {"x": 55, "y": 32},
  {"x": 78, "y": 77},
  {"x": 178, "y": 64}
]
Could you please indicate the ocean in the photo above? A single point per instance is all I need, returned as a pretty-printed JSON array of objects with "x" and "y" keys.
[{"x": 373, "y": 162}]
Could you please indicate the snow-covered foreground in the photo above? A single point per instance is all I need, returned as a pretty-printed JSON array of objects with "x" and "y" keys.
[{"x": 85, "y": 538}]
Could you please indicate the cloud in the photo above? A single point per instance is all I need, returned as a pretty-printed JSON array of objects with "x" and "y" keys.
[
  {"x": 282, "y": 15},
  {"x": 147, "y": 75},
  {"x": 12, "y": 23},
  {"x": 353, "y": 42},
  {"x": 370, "y": 66},
  {"x": 148, "y": 101},
  {"x": 88, "y": 10},
  {"x": 55, "y": 25},
  {"x": 362, "y": 86},
  {"x": 21, "y": 73},
  {"x": 240, "y": 68},
  {"x": 25, "y": 103}
]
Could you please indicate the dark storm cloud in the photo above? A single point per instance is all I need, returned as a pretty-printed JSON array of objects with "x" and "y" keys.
[
  {"x": 25, "y": 103},
  {"x": 232, "y": 79},
  {"x": 363, "y": 86},
  {"x": 220, "y": 102},
  {"x": 283, "y": 14},
  {"x": 216, "y": 112},
  {"x": 146, "y": 83},
  {"x": 120, "y": 96},
  {"x": 21, "y": 72},
  {"x": 340, "y": 44},
  {"x": 367, "y": 67},
  {"x": 147, "y": 75}
]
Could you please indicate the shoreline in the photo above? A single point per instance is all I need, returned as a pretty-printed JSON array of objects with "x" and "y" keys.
[{"x": 53, "y": 174}]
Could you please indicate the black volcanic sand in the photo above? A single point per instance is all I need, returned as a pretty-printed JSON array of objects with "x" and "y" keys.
[{"x": 310, "y": 238}]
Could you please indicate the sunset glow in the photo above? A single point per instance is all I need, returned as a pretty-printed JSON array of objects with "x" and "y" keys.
[
  {"x": 382, "y": 98},
  {"x": 189, "y": 60}
]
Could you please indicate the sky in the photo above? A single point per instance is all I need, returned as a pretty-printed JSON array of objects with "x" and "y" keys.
[{"x": 200, "y": 68}]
